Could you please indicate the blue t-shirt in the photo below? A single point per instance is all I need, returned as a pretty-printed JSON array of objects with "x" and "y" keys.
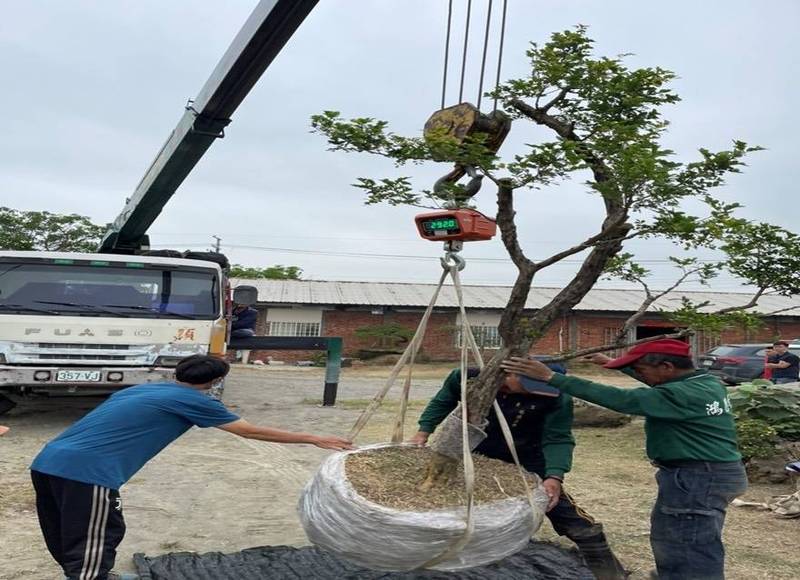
[{"x": 114, "y": 441}]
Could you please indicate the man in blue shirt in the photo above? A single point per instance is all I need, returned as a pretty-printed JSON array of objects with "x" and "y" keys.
[{"x": 77, "y": 475}]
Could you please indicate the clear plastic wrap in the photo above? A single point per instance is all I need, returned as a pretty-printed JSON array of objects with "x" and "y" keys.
[
  {"x": 337, "y": 518},
  {"x": 447, "y": 439}
]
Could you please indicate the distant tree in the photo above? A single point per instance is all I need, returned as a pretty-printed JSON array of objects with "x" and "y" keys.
[
  {"x": 42, "y": 230},
  {"x": 277, "y": 272}
]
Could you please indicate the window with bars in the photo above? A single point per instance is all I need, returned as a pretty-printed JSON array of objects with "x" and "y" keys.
[
  {"x": 485, "y": 337},
  {"x": 707, "y": 341},
  {"x": 293, "y": 328},
  {"x": 610, "y": 334}
]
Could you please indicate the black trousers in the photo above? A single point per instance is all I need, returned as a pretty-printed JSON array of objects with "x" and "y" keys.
[
  {"x": 82, "y": 525},
  {"x": 570, "y": 520}
]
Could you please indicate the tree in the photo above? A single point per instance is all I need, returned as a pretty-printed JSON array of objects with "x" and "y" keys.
[
  {"x": 42, "y": 230},
  {"x": 606, "y": 124},
  {"x": 276, "y": 272}
]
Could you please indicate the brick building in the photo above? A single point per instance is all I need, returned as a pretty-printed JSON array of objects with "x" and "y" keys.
[{"x": 322, "y": 308}]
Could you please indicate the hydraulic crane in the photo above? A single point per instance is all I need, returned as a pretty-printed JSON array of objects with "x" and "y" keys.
[{"x": 266, "y": 32}]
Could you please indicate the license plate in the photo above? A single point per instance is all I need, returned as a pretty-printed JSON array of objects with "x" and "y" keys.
[
  {"x": 78, "y": 376},
  {"x": 708, "y": 363}
]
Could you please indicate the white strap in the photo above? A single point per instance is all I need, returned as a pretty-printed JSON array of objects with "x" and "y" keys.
[{"x": 411, "y": 349}]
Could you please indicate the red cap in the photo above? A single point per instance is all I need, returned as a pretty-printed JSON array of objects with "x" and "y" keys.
[{"x": 663, "y": 346}]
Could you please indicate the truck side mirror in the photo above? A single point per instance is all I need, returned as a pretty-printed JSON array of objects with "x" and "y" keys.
[{"x": 245, "y": 295}]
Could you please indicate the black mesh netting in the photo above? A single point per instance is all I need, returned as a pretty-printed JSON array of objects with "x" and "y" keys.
[{"x": 538, "y": 560}]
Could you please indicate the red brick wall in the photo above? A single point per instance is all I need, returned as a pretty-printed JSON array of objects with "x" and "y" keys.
[
  {"x": 554, "y": 337},
  {"x": 439, "y": 343},
  {"x": 591, "y": 330}
]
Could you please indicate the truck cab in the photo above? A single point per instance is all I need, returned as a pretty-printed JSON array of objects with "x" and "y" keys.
[{"x": 96, "y": 323}]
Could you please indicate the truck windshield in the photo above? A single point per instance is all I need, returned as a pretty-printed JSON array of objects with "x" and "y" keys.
[{"x": 107, "y": 289}]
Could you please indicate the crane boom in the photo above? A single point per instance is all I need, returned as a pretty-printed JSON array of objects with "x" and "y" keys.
[{"x": 262, "y": 37}]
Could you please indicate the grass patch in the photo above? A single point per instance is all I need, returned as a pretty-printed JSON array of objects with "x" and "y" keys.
[{"x": 613, "y": 481}]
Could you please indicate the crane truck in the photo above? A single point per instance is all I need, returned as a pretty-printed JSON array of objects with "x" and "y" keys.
[{"x": 93, "y": 323}]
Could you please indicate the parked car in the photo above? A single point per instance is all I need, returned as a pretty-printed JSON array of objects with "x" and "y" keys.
[{"x": 738, "y": 363}]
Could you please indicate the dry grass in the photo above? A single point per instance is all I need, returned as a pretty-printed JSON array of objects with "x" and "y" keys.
[
  {"x": 390, "y": 477},
  {"x": 613, "y": 480}
]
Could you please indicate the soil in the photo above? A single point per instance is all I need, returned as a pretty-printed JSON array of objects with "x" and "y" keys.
[
  {"x": 212, "y": 491},
  {"x": 207, "y": 491},
  {"x": 390, "y": 477}
]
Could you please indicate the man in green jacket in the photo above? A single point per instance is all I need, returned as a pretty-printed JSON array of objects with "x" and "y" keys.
[
  {"x": 541, "y": 427},
  {"x": 691, "y": 438}
]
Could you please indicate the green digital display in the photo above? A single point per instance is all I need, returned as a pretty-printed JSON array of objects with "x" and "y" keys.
[{"x": 448, "y": 224}]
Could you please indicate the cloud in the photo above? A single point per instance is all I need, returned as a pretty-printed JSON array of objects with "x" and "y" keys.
[{"x": 97, "y": 87}]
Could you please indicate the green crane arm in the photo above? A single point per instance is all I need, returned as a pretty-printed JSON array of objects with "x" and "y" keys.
[{"x": 267, "y": 30}]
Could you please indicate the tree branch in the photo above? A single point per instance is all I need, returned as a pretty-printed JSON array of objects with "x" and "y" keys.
[
  {"x": 615, "y": 346},
  {"x": 508, "y": 229},
  {"x": 557, "y": 99},
  {"x": 753, "y": 302},
  {"x": 566, "y": 131},
  {"x": 588, "y": 243}
]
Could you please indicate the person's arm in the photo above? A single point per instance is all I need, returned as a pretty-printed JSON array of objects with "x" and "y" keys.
[
  {"x": 785, "y": 362},
  {"x": 656, "y": 402},
  {"x": 439, "y": 407},
  {"x": 645, "y": 401},
  {"x": 247, "y": 430},
  {"x": 557, "y": 440},
  {"x": 782, "y": 364}
]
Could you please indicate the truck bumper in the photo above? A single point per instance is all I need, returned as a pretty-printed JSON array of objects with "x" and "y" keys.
[{"x": 43, "y": 379}]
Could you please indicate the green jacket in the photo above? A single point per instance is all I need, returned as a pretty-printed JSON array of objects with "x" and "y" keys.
[
  {"x": 541, "y": 427},
  {"x": 685, "y": 419}
]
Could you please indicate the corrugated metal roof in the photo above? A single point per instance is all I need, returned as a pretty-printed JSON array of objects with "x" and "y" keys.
[{"x": 312, "y": 292}]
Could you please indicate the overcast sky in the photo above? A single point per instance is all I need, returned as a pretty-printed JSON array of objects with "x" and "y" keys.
[{"x": 91, "y": 89}]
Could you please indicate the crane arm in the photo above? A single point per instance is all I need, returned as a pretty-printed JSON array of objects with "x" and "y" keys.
[{"x": 262, "y": 37}]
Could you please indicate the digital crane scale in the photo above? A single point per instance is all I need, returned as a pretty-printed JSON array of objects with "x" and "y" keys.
[{"x": 465, "y": 225}]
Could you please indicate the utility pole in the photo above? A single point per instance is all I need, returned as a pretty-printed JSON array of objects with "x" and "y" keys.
[{"x": 217, "y": 243}]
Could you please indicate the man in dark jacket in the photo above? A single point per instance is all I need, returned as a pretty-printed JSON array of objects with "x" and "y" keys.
[
  {"x": 541, "y": 427},
  {"x": 691, "y": 438},
  {"x": 243, "y": 321}
]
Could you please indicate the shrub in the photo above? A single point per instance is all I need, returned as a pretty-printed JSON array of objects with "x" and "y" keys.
[
  {"x": 756, "y": 438},
  {"x": 777, "y": 406}
]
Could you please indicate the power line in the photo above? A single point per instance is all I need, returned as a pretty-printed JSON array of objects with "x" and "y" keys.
[{"x": 367, "y": 255}]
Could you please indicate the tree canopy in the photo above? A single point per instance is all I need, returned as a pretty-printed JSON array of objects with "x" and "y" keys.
[
  {"x": 42, "y": 230},
  {"x": 277, "y": 272}
]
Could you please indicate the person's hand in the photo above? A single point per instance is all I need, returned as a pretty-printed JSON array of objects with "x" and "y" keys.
[
  {"x": 552, "y": 488},
  {"x": 420, "y": 438},
  {"x": 4, "y": 430},
  {"x": 597, "y": 358},
  {"x": 337, "y": 443},
  {"x": 528, "y": 367},
  {"x": 512, "y": 384}
]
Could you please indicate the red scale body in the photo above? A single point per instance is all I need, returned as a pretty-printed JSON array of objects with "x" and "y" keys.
[{"x": 465, "y": 225}]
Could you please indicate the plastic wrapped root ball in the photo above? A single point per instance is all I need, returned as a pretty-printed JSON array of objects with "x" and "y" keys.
[{"x": 339, "y": 519}]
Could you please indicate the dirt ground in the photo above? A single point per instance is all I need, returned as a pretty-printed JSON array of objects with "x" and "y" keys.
[{"x": 211, "y": 491}]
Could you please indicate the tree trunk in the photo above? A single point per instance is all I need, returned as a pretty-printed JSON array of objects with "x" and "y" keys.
[{"x": 519, "y": 335}]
